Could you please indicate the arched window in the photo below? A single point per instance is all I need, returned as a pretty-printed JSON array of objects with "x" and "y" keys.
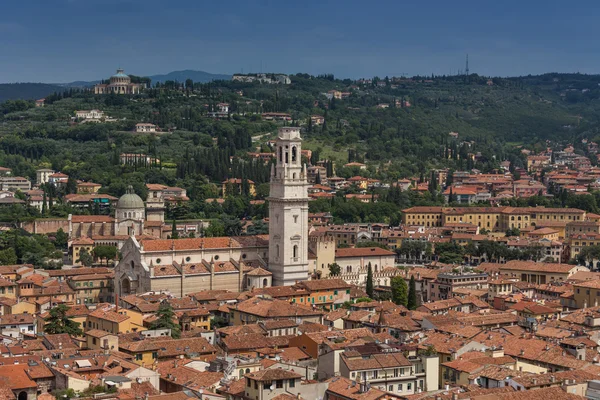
[
  {"x": 294, "y": 154},
  {"x": 375, "y": 267},
  {"x": 294, "y": 175},
  {"x": 287, "y": 157},
  {"x": 280, "y": 154},
  {"x": 348, "y": 268},
  {"x": 295, "y": 251},
  {"x": 277, "y": 250},
  {"x": 265, "y": 282}
]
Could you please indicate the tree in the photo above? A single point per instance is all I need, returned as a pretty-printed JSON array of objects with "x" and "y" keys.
[
  {"x": 174, "y": 233},
  {"x": 71, "y": 186},
  {"x": 105, "y": 252},
  {"x": 164, "y": 320},
  {"x": 59, "y": 322},
  {"x": 399, "y": 290},
  {"x": 85, "y": 258},
  {"x": 61, "y": 239},
  {"x": 8, "y": 256},
  {"x": 412, "y": 294},
  {"x": 513, "y": 232},
  {"x": 369, "y": 287},
  {"x": 334, "y": 269},
  {"x": 258, "y": 227},
  {"x": 218, "y": 322},
  {"x": 318, "y": 178}
]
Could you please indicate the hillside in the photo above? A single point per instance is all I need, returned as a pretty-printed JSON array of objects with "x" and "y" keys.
[{"x": 26, "y": 91}]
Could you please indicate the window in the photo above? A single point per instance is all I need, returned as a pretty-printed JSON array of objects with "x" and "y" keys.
[
  {"x": 408, "y": 386},
  {"x": 295, "y": 251},
  {"x": 279, "y": 384},
  {"x": 375, "y": 374},
  {"x": 399, "y": 387},
  {"x": 138, "y": 357},
  {"x": 292, "y": 383},
  {"x": 154, "y": 355}
]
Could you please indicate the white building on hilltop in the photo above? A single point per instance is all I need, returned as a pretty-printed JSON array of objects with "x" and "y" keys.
[{"x": 288, "y": 211}]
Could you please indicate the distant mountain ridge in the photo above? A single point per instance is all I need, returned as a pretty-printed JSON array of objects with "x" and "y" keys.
[
  {"x": 180, "y": 76},
  {"x": 196, "y": 76},
  {"x": 27, "y": 91}
]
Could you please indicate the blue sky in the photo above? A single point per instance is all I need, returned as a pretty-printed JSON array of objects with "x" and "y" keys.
[{"x": 68, "y": 40}]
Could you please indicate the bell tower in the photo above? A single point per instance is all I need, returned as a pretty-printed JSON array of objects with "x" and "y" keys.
[{"x": 288, "y": 211}]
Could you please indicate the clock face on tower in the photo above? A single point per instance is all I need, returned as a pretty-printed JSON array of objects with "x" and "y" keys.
[{"x": 288, "y": 204}]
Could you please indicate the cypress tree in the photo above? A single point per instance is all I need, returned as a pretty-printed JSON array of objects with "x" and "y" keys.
[
  {"x": 412, "y": 294},
  {"x": 174, "y": 234},
  {"x": 369, "y": 281},
  {"x": 44, "y": 204}
]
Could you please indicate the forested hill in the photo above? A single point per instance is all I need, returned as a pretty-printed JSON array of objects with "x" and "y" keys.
[
  {"x": 26, "y": 91},
  {"x": 400, "y": 128}
]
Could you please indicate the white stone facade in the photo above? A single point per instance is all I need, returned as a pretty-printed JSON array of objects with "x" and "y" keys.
[{"x": 288, "y": 211}]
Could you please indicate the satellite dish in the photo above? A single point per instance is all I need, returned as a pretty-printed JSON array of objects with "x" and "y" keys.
[
  {"x": 47, "y": 360},
  {"x": 272, "y": 387}
]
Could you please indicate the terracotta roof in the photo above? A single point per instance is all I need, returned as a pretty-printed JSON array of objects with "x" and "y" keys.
[
  {"x": 258, "y": 272},
  {"x": 324, "y": 284},
  {"x": 363, "y": 252},
  {"x": 273, "y": 308},
  {"x": 108, "y": 315},
  {"x": 376, "y": 361},
  {"x": 273, "y": 374},
  {"x": 516, "y": 265},
  {"x": 189, "y": 244}
]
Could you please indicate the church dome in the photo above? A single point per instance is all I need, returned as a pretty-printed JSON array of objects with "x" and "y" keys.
[
  {"x": 120, "y": 74},
  {"x": 130, "y": 200}
]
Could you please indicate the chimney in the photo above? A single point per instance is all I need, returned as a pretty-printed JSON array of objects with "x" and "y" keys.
[
  {"x": 552, "y": 378},
  {"x": 534, "y": 381},
  {"x": 454, "y": 396}
]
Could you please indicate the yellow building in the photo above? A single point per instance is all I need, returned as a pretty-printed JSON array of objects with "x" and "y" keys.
[
  {"x": 236, "y": 185},
  {"x": 587, "y": 294},
  {"x": 493, "y": 218},
  {"x": 109, "y": 320},
  {"x": 544, "y": 233},
  {"x": 154, "y": 349},
  {"x": 8, "y": 288},
  {"x": 88, "y": 187},
  {"x": 579, "y": 242},
  {"x": 425, "y": 216},
  {"x": 93, "y": 288},
  {"x": 194, "y": 319},
  {"x": 539, "y": 272},
  {"x": 80, "y": 244},
  {"x": 101, "y": 340}
]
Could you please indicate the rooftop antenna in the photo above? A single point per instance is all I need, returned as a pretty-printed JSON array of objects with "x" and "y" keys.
[{"x": 467, "y": 69}]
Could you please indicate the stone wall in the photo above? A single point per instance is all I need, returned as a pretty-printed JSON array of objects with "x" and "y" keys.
[{"x": 45, "y": 225}]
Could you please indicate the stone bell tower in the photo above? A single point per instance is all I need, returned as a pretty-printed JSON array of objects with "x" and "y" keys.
[{"x": 288, "y": 211}]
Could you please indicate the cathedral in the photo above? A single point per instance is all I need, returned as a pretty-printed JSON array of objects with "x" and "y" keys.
[{"x": 183, "y": 266}]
